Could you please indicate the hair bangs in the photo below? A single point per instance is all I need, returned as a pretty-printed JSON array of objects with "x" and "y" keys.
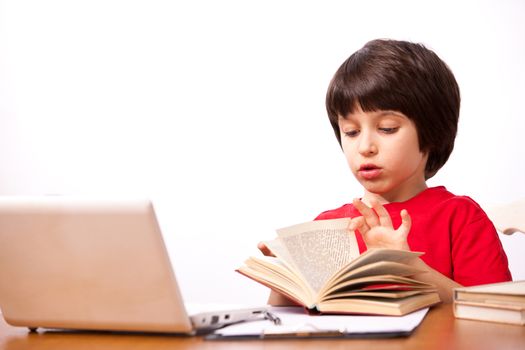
[{"x": 367, "y": 91}]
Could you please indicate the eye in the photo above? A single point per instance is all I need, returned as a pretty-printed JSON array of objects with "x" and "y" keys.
[
  {"x": 351, "y": 133},
  {"x": 388, "y": 130}
]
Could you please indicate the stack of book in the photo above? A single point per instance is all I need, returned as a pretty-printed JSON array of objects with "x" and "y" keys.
[{"x": 499, "y": 302}]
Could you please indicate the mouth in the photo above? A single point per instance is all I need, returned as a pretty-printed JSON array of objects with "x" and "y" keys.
[{"x": 369, "y": 171}]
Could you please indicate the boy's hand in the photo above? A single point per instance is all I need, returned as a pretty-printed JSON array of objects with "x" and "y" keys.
[{"x": 376, "y": 226}]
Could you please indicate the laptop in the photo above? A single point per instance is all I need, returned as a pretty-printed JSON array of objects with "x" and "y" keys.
[{"x": 93, "y": 264}]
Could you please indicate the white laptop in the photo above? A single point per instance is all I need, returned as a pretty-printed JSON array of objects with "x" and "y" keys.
[{"x": 92, "y": 264}]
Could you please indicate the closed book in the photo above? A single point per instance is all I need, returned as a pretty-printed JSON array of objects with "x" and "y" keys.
[
  {"x": 499, "y": 302},
  {"x": 500, "y": 313},
  {"x": 512, "y": 293}
]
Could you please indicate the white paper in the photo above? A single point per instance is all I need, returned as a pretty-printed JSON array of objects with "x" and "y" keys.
[{"x": 295, "y": 320}]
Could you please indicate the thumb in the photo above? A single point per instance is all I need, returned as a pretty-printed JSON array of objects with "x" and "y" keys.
[{"x": 264, "y": 249}]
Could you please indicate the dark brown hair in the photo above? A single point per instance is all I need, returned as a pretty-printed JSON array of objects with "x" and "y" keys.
[{"x": 404, "y": 77}]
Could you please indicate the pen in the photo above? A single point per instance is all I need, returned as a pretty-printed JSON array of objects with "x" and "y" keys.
[{"x": 271, "y": 317}]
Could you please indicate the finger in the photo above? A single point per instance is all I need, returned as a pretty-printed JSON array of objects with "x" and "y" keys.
[
  {"x": 406, "y": 223},
  {"x": 368, "y": 213},
  {"x": 358, "y": 224},
  {"x": 264, "y": 249},
  {"x": 382, "y": 213}
]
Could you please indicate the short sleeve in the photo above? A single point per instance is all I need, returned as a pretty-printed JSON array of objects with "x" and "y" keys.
[{"x": 477, "y": 254}]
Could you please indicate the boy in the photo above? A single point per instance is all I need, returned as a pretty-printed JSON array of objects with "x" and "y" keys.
[{"x": 394, "y": 108}]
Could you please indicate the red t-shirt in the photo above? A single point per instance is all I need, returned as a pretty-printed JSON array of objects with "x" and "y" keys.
[{"x": 455, "y": 234}]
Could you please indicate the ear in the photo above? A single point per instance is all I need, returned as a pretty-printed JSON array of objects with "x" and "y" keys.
[{"x": 428, "y": 174}]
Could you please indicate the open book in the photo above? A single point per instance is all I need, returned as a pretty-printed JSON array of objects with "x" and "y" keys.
[{"x": 317, "y": 264}]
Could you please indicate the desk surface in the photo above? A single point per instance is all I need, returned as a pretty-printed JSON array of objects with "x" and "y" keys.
[{"x": 439, "y": 330}]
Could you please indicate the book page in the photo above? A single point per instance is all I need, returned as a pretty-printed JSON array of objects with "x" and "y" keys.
[
  {"x": 319, "y": 248},
  {"x": 272, "y": 273},
  {"x": 280, "y": 251},
  {"x": 382, "y": 254},
  {"x": 380, "y": 268}
]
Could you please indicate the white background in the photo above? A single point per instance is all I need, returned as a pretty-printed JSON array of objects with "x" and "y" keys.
[{"x": 215, "y": 110}]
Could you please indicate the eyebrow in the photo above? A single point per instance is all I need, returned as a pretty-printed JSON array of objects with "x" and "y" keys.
[
  {"x": 395, "y": 113},
  {"x": 381, "y": 113}
]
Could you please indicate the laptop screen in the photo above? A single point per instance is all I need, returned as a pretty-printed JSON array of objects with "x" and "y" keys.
[{"x": 86, "y": 263}]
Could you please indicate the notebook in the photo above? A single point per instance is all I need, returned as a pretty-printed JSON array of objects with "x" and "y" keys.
[
  {"x": 93, "y": 264},
  {"x": 295, "y": 323}
]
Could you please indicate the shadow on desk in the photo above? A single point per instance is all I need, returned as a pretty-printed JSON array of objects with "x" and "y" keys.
[{"x": 93, "y": 340}]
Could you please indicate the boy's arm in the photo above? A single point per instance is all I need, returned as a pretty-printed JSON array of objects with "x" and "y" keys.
[
  {"x": 377, "y": 231},
  {"x": 444, "y": 285},
  {"x": 277, "y": 299}
]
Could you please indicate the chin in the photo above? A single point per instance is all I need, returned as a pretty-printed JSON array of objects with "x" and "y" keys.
[{"x": 375, "y": 187}]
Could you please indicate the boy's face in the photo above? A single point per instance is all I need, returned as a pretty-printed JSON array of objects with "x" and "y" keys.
[{"x": 382, "y": 150}]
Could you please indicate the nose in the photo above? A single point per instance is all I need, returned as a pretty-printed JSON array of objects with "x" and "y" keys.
[{"x": 367, "y": 144}]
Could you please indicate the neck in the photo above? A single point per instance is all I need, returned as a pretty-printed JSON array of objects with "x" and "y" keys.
[{"x": 398, "y": 195}]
